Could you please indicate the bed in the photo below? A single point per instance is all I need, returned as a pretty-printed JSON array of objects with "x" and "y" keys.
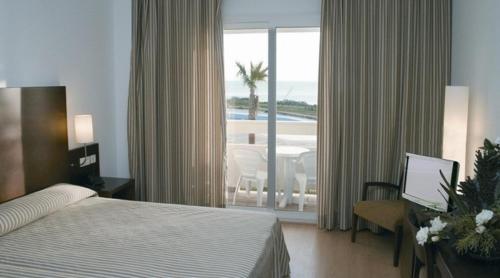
[{"x": 64, "y": 230}]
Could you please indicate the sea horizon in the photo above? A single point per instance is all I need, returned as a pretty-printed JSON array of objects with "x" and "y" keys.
[{"x": 306, "y": 91}]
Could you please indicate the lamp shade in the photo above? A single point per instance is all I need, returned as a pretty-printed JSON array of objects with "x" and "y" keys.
[
  {"x": 83, "y": 129},
  {"x": 455, "y": 126}
]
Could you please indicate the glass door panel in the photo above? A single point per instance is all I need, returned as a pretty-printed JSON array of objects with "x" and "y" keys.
[
  {"x": 245, "y": 66},
  {"x": 297, "y": 57}
]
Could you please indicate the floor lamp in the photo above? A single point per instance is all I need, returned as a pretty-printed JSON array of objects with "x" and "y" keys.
[{"x": 455, "y": 126}]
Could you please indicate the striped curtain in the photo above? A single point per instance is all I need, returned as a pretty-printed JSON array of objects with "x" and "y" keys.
[
  {"x": 176, "y": 127},
  {"x": 384, "y": 66}
]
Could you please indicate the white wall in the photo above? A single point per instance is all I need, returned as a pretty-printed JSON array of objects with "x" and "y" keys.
[
  {"x": 271, "y": 13},
  {"x": 70, "y": 43},
  {"x": 3, "y": 74},
  {"x": 122, "y": 40},
  {"x": 476, "y": 63}
]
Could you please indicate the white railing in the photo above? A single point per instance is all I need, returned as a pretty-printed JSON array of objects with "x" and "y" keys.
[{"x": 282, "y": 127}]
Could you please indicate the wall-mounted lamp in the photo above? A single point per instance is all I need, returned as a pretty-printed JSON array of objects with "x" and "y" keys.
[
  {"x": 84, "y": 131},
  {"x": 456, "y": 109}
]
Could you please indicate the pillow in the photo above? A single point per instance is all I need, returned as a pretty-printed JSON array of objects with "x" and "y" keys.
[{"x": 24, "y": 210}]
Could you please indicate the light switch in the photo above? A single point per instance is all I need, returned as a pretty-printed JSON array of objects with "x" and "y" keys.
[{"x": 86, "y": 161}]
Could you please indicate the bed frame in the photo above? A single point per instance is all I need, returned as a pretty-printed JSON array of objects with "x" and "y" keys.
[{"x": 33, "y": 140}]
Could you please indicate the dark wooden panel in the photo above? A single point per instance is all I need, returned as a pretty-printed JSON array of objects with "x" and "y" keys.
[
  {"x": 79, "y": 175},
  {"x": 36, "y": 139}
]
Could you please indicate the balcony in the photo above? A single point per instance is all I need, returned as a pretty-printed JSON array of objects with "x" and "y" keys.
[{"x": 295, "y": 164}]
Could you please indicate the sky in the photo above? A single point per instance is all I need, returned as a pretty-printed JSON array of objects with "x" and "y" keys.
[{"x": 297, "y": 53}]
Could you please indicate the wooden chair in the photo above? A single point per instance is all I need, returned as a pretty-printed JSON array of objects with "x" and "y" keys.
[
  {"x": 423, "y": 256},
  {"x": 385, "y": 213}
]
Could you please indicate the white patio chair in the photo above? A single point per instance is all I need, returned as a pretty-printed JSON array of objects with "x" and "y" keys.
[
  {"x": 305, "y": 174},
  {"x": 249, "y": 163}
]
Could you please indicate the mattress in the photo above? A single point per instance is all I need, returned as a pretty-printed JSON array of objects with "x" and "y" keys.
[{"x": 86, "y": 236}]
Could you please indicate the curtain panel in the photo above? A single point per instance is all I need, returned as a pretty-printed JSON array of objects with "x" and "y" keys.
[
  {"x": 384, "y": 65},
  {"x": 176, "y": 124}
]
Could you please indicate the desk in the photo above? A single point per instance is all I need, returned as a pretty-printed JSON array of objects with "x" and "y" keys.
[
  {"x": 285, "y": 158},
  {"x": 451, "y": 265}
]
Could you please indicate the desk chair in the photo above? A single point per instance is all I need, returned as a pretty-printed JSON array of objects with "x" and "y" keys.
[
  {"x": 385, "y": 213},
  {"x": 423, "y": 256}
]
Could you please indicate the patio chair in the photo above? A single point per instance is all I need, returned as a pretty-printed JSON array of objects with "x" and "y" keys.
[
  {"x": 249, "y": 162},
  {"x": 305, "y": 174}
]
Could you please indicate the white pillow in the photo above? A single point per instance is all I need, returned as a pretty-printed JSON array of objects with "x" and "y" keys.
[{"x": 24, "y": 210}]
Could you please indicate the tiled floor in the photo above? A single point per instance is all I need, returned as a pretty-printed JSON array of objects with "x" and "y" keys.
[{"x": 316, "y": 253}]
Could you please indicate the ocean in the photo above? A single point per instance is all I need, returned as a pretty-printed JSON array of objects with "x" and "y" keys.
[{"x": 290, "y": 90}]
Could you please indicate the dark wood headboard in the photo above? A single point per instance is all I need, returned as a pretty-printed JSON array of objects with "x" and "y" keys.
[{"x": 33, "y": 140}]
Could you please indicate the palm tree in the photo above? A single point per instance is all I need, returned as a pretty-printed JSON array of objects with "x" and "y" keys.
[{"x": 257, "y": 73}]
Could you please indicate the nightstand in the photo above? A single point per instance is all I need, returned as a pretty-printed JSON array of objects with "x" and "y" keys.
[{"x": 117, "y": 188}]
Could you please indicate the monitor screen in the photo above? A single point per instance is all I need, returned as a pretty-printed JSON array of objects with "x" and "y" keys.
[{"x": 422, "y": 182}]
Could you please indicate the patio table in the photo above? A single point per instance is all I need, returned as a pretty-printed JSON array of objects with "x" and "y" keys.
[{"x": 285, "y": 158}]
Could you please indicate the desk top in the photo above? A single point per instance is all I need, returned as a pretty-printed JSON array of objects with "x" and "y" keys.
[{"x": 457, "y": 266}]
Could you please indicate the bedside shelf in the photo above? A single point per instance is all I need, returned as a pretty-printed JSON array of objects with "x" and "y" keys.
[{"x": 117, "y": 188}]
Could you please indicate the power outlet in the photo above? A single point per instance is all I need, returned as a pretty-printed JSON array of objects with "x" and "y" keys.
[{"x": 86, "y": 161}]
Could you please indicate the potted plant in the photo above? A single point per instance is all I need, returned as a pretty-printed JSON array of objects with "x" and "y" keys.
[
  {"x": 257, "y": 73},
  {"x": 473, "y": 224}
]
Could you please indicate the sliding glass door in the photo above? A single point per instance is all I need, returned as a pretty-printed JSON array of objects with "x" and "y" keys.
[
  {"x": 297, "y": 62},
  {"x": 246, "y": 67},
  {"x": 271, "y": 91}
]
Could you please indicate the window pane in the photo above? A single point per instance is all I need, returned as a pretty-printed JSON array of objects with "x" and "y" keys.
[
  {"x": 246, "y": 96},
  {"x": 297, "y": 53}
]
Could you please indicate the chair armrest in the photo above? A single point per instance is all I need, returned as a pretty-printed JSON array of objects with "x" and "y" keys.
[{"x": 377, "y": 184}]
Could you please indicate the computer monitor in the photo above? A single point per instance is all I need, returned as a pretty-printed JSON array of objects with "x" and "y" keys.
[{"x": 422, "y": 180}]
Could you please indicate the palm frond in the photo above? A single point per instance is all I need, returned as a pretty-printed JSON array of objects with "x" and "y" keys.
[
  {"x": 241, "y": 69},
  {"x": 242, "y": 72},
  {"x": 257, "y": 73},
  {"x": 452, "y": 194}
]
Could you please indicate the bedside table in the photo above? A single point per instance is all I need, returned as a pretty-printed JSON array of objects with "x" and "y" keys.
[{"x": 117, "y": 188}]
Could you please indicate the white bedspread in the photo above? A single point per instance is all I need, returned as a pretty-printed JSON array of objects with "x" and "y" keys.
[{"x": 99, "y": 237}]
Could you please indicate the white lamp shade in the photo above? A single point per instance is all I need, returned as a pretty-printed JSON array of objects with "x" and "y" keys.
[
  {"x": 455, "y": 126},
  {"x": 83, "y": 129}
]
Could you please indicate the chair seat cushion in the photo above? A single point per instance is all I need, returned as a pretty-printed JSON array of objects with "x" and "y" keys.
[{"x": 385, "y": 213}]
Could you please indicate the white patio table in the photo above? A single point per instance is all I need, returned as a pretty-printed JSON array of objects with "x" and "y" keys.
[{"x": 285, "y": 174}]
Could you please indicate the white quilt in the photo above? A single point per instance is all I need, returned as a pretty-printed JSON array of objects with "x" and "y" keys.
[{"x": 99, "y": 237}]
